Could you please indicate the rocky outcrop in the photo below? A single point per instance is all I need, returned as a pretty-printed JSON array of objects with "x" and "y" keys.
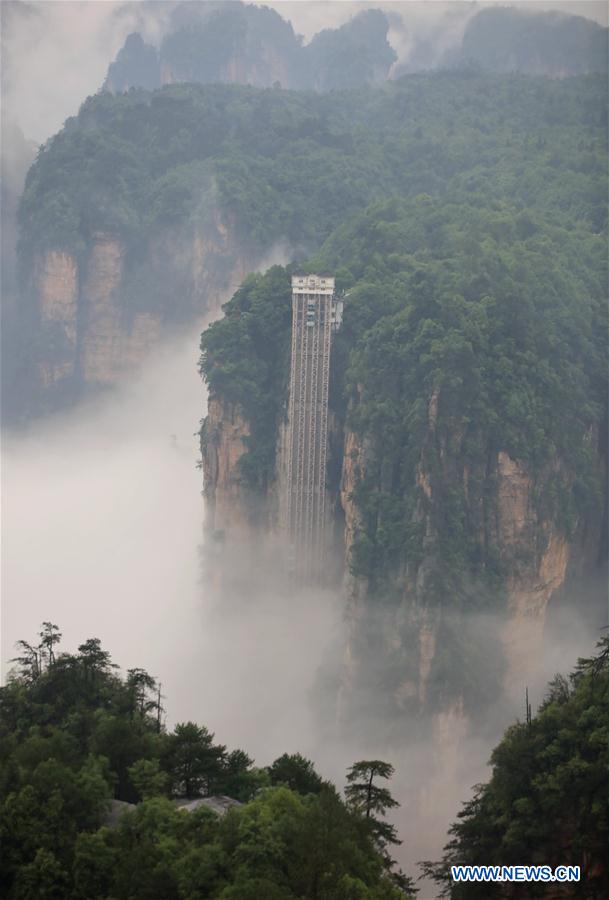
[
  {"x": 351, "y": 469},
  {"x": 399, "y": 649},
  {"x": 101, "y": 343},
  {"x": 245, "y": 44},
  {"x": 536, "y": 43},
  {"x": 224, "y": 436},
  {"x": 55, "y": 278},
  {"x": 94, "y": 318},
  {"x": 536, "y": 555},
  {"x": 244, "y": 550}
]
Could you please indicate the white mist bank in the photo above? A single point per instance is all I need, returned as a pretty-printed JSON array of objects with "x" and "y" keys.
[
  {"x": 55, "y": 54},
  {"x": 102, "y": 527},
  {"x": 102, "y": 519}
]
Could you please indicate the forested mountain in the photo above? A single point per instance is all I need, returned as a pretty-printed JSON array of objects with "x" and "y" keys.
[
  {"x": 90, "y": 780},
  {"x": 79, "y": 745},
  {"x": 458, "y": 490},
  {"x": 464, "y": 214},
  {"x": 465, "y": 507},
  {"x": 149, "y": 207},
  {"x": 538, "y": 43},
  {"x": 245, "y": 44}
]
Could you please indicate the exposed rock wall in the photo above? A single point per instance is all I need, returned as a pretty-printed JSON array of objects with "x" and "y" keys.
[
  {"x": 101, "y": 350},
  {"x": 93, "y": 318},
  {"x": 537, "y": 557},
  {"x": 395, "y": 650},
  {"x": 224, "y": 443},
  {"x": 244, "y": 549},
  {"x": 55, "y": 278}
]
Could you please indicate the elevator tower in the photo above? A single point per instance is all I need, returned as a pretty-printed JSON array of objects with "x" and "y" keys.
[{"x": 316, "y": 314}]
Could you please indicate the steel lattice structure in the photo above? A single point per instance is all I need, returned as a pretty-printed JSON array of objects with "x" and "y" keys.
[{"x": 315, "y": 315}]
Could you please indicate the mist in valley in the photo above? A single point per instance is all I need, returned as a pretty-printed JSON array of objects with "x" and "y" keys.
[
  {"x": 103, "y": 535},
  {"x": 103, "y": 513},
  {"x": 56, "y": 54}
]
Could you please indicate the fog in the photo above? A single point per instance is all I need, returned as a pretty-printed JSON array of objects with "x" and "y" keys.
[
  {"x": 102, "y": 511},
  {"x": 102, "y": 531},
  {"x": 55, "y": 54}
]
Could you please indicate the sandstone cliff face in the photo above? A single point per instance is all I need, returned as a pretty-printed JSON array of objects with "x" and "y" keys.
[
  {"x": 536, "y": 554},
  {"x": 55, "y": 280},
  {"x": 402, "y": 647},
  {"x": 101, "y": 350},
  {"x": 224, "y": 443},
  {"x": 538, "y": 558},
  {"x": 95, "y": 318},
  {"x": 243, "y": 548}
]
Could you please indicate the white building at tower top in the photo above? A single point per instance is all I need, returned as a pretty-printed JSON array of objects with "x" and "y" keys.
[
  {"x": 320, "y": 287},
  {"x": 313, "y": 284}
]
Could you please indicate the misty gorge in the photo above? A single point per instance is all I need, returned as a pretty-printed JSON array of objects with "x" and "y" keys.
[{"x": 433, "y": 691}]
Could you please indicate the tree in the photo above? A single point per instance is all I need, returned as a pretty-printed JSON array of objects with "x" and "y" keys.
[
  {"x": 297, "y": 772},
  {"x": 78, "y": 733},
  {"x": 94, "y": 660},
  {"x": 140, "y": 684},
  {"x": 42, "y": 879},
  {"x": 240, "y": 779},
  {"x": 193, "y": 760},
  {"x": 29, "y": 661},
  {"x": 371, "y": 801},
  {"x": 49, "y": 636},
  {"x": 148, "y": 779},
  {"x": 33, "y": 657},
  {"x": 94, "y": 864}
]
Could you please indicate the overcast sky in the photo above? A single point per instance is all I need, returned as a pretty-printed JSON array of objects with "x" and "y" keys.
[{"x": 56, "y": 53}]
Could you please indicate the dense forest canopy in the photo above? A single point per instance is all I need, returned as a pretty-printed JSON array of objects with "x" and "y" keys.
[
  {"x": 74, "y": 734},
  {"x": 498, "y": 306},
  {"x": 475, "y": 324},
  {"x": 79, "y": 743},
  {"x": 287, "y": 166}
]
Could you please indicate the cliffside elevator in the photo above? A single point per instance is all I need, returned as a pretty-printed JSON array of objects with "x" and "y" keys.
[{"x": 316, "y": 314}]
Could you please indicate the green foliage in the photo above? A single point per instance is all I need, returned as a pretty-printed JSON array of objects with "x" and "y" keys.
[
  {"x": 293, "y": 166},
  {"x": 239, "y": 777},
  {"x": 495, "y": 333},
  {"x": 370, "y": 800},
  {"x": 547, "y": 799},
  {"x": 474, "y": 325},
  {"x": 550, "y": 43},
  {"x": 482, "y": 296},
  {"x": 490, "y": 317},
  {"x": 193, "y": 760},
  {"x": 297, "y": 773},
  {"x": 148, "y": 779},
  {"x": 245, "y": 360},
  {"x": 75, "y": 734}
]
